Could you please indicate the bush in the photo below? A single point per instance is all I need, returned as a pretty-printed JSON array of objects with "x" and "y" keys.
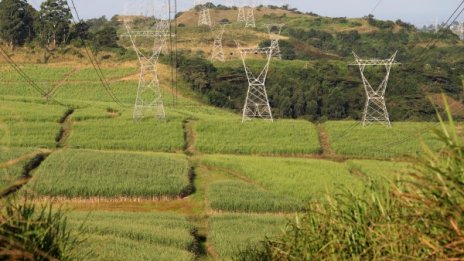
[
  {"x": 32, "y": 232},
  {"x": 421, "y": 217}
]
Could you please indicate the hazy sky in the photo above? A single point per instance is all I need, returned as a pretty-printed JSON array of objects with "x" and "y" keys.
[{"x": 418, "y": 12}]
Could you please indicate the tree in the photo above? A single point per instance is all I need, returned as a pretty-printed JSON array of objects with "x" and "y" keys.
[
  {"x": 55, "y": 22},
  {"x": 16, "y": 22},
  {"x": 106, "y": 37}
]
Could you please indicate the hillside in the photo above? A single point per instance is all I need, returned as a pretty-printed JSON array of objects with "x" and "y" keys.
[
  {"x": 201, "y": 185},
  {"x": 319, "y": 50}
]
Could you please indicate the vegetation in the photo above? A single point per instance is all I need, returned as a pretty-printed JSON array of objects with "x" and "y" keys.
[
  {"x": 112, "y": 174},
  {"x": 421, "y": 219},
  {"x": 231, "y": 233},
  {"x": 239, "y": 196},
  {"x": 301, "y": 179},
  {"x": 32, "y": 232},
  {"x": 123, "y": 133},
  {"x": 280, "y": 137},
  {"x": 139, "y": 236},
  {"x": 377, "y": 141}
]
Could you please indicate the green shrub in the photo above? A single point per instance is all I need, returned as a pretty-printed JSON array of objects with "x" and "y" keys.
[{"x": 36, "y": 232}]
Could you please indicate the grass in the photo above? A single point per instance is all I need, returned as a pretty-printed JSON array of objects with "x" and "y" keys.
[
  {"x": 379, "y": 171},
  {"x": 29, "y": 134},
  {"x": 403, "y": 138},
  {"x": 231, "y": 233},
  {"x": 238, "y": 196},
  {"x": 81, "y": 173},
  {"x": 257, "y": 137},
  {"x": 135, "y": 236},
  {"x": 24, "y": 111},
  {"x": 89, "y": 74},
  {"x": 123, "y": 133},
  {"x": 10, "y": 172},
  {"x": 302, "y": 179}
]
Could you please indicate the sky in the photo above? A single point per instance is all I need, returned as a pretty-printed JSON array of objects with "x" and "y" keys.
[{"x": 418, "y": 12}]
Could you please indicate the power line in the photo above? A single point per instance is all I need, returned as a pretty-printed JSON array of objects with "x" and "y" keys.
[
  {"x": 93, "y": 60},
  {"x": 376, "y": 6},
  {"x": 23, "y": 75}
]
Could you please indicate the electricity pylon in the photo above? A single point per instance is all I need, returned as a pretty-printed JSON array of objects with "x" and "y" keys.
[
  {"x": 149, "y": 97},
  {"x": 204, "y": 14},
  {"x": 375, "y": 110},
  {"x": 250, "y": 17},
  {"x": 241, "y": 17},
  {"x": 218, "y": 51},
  {"x": 274, "y": 31},
  {"x": 459, "y": 30},
  {"x": 257, "y": 102}
]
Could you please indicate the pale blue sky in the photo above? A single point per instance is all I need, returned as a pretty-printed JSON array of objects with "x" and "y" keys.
[{"x": 418, "y": 12}]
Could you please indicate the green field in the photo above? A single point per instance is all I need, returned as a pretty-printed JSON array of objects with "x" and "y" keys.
[
  {"x": 9, "y": 171},
  {"x": 134, "y": 236},
  {"x": 231, "y": 233},
  {"x": 302, "y": 179},
  {"x": 257, "y": 137},
  {"x": 126, "y": 134},
  {"x": 239, "y": 196},
  {"x": 351, "y": 139},
  {"x": 81, "y": 173}
]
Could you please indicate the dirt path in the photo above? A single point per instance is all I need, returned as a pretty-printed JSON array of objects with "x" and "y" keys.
[{"x": 324, "y": 140}]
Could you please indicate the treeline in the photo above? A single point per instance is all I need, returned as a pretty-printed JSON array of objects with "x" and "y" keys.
[
  {"x": 52, "y": 25},
  {"x": 323, "y": 90}
]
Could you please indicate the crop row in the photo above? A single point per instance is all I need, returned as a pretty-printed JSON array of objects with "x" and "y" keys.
[
  {"x": 134, "y": 236},
  {"x": 81, "y": 173}
]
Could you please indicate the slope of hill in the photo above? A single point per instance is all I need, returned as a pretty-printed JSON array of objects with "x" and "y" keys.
[{"x": 201, "y": 185}]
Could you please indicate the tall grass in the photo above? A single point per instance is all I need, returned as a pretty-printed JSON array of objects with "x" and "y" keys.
[
  {"x": 125, "y": 134},
  {"x": 377, "y": 141},
  {"x": 81, "y": 173},
  {"x": 135, "y": 236},
  {"x": 36, "y": 232},
  {"x": 302, "y": 179},
  {"x": 257, "y": 137},
  {"x": 420, "y": 218},
  {"x": 238, "y": 196},
  {"x": 231, "y": 233}
]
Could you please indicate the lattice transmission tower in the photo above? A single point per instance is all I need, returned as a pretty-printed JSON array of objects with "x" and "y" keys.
[
  {"x": 375, "y": 110},
  {"x": 204, "y": 17},
  {"x": 218, "y": 51},
  {"x": 241, "y": 17},
  {"x": 257, "y": 102},
  {"x": 250, "y": 14},
  {"x": 149, "y": 100},
  {"x": 275, "y": 31}
]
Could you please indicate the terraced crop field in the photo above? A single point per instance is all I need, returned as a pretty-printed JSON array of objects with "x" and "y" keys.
[
  {"x": 135, "y": 236},
  {"x": 280, "y": 137},
  {"x": 198, "y": 186},
  {"x": 404, "y": 138},
  {"x": 112, "y": 174}
]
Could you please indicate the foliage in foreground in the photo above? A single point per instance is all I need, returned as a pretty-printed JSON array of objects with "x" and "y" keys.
[
  {"x": 35, "y": 232},
  {"x": 420, "y": 218}
]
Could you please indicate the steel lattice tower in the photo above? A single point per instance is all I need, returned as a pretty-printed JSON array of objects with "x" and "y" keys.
[
  {"x": 218, "y": 51},
  {"x": 241, "y": 17},
  {"x": 149, "y": 97},
  {"x": 204, "y": 14},
  {"x": 257, "y": 102},
  {"x": 250, "y": 17},
  {"x": 375, "y": 110},
  {"x": 274, "y": 31}
]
